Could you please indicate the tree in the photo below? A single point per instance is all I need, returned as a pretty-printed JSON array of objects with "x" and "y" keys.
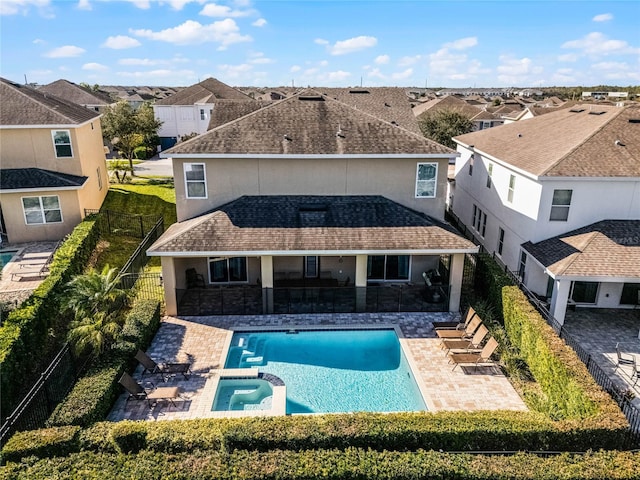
[
  {"x": 444, "y": 124},
  {"x": 128, "y": 129},
  {"x": 95, "y": 301}
]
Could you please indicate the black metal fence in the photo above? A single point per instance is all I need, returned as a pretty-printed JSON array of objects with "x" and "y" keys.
[
  {"x": 119, "y": 223},
  {"x": 138, "y": 258},
  {"x": 53, "y": 386}
]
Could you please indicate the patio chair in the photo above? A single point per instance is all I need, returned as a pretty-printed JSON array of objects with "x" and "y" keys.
[
  {"x": 151, "y": 393},
  {"x": 483, "y": 357},
  {"x": 194, "y": 279},
  {"x": 456, "y": 325},
  {"x": 466, "y": 333},
  {"x": 164, "y": 369},
  {"x": 464, "y": 344},
  {"x": 36, "y": 270},
  {"x": 624, "y": 358},
  {"x": 635, "y": 373}
]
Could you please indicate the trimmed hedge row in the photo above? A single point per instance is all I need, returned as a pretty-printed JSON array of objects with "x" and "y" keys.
[
  {"x": 561, "y": 374},
  {"x": 349, "y": 464},
  {"x": 26, "y": 329},
  {"x": 94, "y": 394}
]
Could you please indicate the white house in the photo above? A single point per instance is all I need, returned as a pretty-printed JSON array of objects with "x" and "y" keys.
[{"x": 535, "y": 180}]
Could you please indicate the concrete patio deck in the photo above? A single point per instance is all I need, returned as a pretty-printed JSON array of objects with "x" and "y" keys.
[{"x": 201, "y": 341}]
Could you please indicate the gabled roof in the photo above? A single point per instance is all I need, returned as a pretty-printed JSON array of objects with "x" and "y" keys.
[
  {"x": 37, "y": 179},
  {"x": 207, "y": 91},
  {"x": 610, "y": 248},
  {"x": 289, "y": 223},
  {"x": 76, "y": 94},
  {"x": 584, "y": 141},
  {"x": 23, "y": 105},
  {"x": 449, "y": 102},
  {"x": 226, "y": 111},
  {"x": 309, "y": 124}
]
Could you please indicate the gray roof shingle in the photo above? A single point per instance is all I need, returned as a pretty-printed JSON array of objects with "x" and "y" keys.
[
  {"x": 75, "y": 93},
  {"x": 226, "y": 111},
  {"x": 304, "y": 223},
  {"x": 37, "y": 178},
  {"x": 23, "y": 105},
  {"x": 207, "y": 91}
]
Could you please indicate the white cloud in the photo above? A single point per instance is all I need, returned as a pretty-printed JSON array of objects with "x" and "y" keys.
[
  {"x": 514, "y": 71},
  {"x": 354, "y": 44},
  {"x": 224, "y": 32},
  {"x": 84, "y": 5},
  {"x": 223, "y": 11},
  {"x": 120, "y": 42},
  {"x": 235, "y": 71},
  {"x": 402, "y": 75},
  {"x": 146, "y": 62},
  {"x": 462, "y": 43},
  {"x": 568, "y": 57},
  {"x": 610, "y": 66},
  {"x": 65, "y": 52},
  {"x": 95, "y": 67},
  {"x": 376, "y": 73},
  {"x": 321, "y": 41},
  {"x": 407, "y": 61},
  {"x": 310, "y": 71},
  {"x": 258, "y": 58},
  {"x": 597, "y": 44},
  {"x": 13, "y": 7},
  {"x": 179, "y": 4},
  {"x": 141, "y": 4},
  {"x": 382, "y": 59},
  {"x": 603, "y": 17},
  {"x": 295, "y": 68},
  {"x": 160, "y": 74},
  {"x": 564, "y": 75},
  {"x": 323, "y": 63},
  {"x": 38, "y": 41},
  {"x": 261, "y": 22},
  {"x": 338, "y": 75}
]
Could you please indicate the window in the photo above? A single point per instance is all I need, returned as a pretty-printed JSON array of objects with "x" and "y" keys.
[
  {"x": 202, "y": 117},
  {"x": 39, "y": 210},
  {"x": 475, "y": 214},
  {"x": 62, "y": 143},
  {"x": 195, "y": 180},
  {"x": 99, "y": 178},
  {"x": 500, "y": 240},
  {"x": 486, "y": 125},
  {"x": 584, "y": 292},
  {"x": 426, "y": 180},
  {"x": 523, "y": 265},
  {"x": 489, "y": 173},
  {"x": 479, "y": 220},
  {"x": 560, "y": 205},
  {"x": 388, "y": 267},
  {"x": 630, "y": 294},
  {"x": 228, "y": 270},
  {"x": 512, "y": 187},
  {"x": 471, "y": 159},
  {"x": 311, "y": 267}
]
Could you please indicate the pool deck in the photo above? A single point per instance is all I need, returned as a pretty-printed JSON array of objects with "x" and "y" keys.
[{"x": 202, "y": 341}]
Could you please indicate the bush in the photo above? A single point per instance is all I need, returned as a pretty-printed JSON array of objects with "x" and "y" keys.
[
  {"x": 43, "y": 443},
  {"x": 142, "y": 153},
  {"x": 129, "y": 437},
  {"x": 489, "y": 281}
]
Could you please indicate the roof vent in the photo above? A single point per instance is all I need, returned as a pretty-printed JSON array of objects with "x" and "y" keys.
[
  {"x": 393, "y": 122},
  {"x": 287, "y": 138},
  {"x": 311, "y": 98},
  {"x": 387, "y": 105},
  {"x": 634, "y": 120},
  {"x": 618, "y": 143},
  {"x": 359, "y": 91},
  {"x": 339, "y": 132},
  {"x": 577, "y": 110},
  {"x": 597, "y": 112}
]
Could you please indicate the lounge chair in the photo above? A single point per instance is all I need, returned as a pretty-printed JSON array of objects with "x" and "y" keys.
[
  {"x": 456, "y": 325},
  {"x": 624, "y": 358},
  {"x": 37, "y": 270},
  {"x": 164, "y": 369},
  {"x": 138, "y": 392},
  {"x": 466, "y": 333},
  {"x": 194, "y": 279},
  {"x": 483, "y": 357},
  {"x": 464, "y": 344}
]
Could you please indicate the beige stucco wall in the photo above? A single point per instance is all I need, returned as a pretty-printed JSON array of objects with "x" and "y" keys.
[{"x": 228, "y": 179}]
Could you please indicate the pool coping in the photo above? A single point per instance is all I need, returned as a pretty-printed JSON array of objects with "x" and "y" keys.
[
  {"x": 17, "y": 255},
  {"x": 279, "y": 392}
]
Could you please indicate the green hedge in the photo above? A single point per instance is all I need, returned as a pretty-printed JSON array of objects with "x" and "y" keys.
[
  {"x": 27, "y": 329},
  {"x": 94, "y": 394},
  {"x": 350, "y": 464},
  {"x": 565, "y": 380},
  {"x": 43, "y": 443},
  {"x": 489, "y": 281}
]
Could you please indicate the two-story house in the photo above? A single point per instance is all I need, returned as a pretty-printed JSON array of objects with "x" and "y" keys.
[
  {"x": 523, "y": 187},
  {"x": 52, "y": 164},
  {"x": 189, "y": 110},
  {"x": 71, "y": 92},
  {"x": 310, "y": 191}
]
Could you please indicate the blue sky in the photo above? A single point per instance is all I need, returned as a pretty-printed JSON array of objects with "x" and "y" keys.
[{"x": 322, "y": 43}]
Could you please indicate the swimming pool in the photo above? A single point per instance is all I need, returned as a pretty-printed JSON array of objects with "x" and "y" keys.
[
  {"x": 6, "y": 256},
  {"x": 330, "y": 371}
]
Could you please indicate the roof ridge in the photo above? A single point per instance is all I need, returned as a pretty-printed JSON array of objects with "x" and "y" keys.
[
  {"x": 56, "y": 174},
  {"x": 54, "y": 97},
  {"x": 591, "y": 237},
  {"x": 597, "y": 130}
]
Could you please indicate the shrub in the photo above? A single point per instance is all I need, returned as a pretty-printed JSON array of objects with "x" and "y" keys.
[
  {"x": 46, "y": 442},
  {"x": 129, "y": 437},
  {"x": 489, "y": 281}
]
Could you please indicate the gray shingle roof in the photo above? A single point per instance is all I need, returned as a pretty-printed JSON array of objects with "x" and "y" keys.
[
  {"x": 23, "y": 105},
  {"x": 207, "y": 91},
  {"x": 610, "y": 248},
  {"x": 309, "y": 124},
  {"x": 226, "y": 111},
  {"x": 304, "y": 223},
  {"x": 75, "y": 93},
  {"x": 567, "y": 142},
  {"x": 37, "y": 178},
  {"x": 446, "y": 103}
]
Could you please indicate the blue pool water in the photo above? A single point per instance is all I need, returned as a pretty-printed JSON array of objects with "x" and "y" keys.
[
  {"x": 6, "y": 256},
  {"x": 243, "y": 394},
  {"x": 332, "y": 371}
]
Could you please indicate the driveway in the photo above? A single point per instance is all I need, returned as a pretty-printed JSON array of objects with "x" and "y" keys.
[{"x": 154, "y": 167}]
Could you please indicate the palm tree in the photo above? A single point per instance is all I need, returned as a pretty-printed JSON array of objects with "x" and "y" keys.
[{"x": 95, "y": 301}]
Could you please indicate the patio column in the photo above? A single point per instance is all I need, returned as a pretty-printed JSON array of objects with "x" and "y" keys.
[
  {"x": 266, "y": 273},
  {"x": 559, "y": 299},
  {"x": 455, "y": 281},
  {"x": 361, "y": 283},
  {"x": 169, "y": 280}
]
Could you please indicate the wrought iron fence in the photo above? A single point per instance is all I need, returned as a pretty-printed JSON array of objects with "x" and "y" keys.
[
  {"x": 52, "y": 386},
  {"x": 138, "y": 258},
  {"x": 125, "y": 224}
]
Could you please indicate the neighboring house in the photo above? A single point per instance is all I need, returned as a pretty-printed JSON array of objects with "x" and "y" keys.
[
  {"x": 52, "y": 164},
  {"x": 189, "y": 111},
  {"x": 535, "y": 180},
  {"x": 77, "y": 94},
  {"x": 310, "y": 190},
  {"x": 481, "y": 118}
]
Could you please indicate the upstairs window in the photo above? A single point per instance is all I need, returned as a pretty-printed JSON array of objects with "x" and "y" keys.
[
  {"x": 40, "y": 210},
  {"x": 512, "y": 188},
  {"x": 489, "y": 173},
  {"x": 426, "y": 180},
  {"x": 500, "y": 240},
  {"x": 195, "y": 180},
  {"x": 202, "y": 117},
  {"x": 560, "y": 205},
  {"x": 471, "y": 159},
  {"x": 62, "y": 143}
]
